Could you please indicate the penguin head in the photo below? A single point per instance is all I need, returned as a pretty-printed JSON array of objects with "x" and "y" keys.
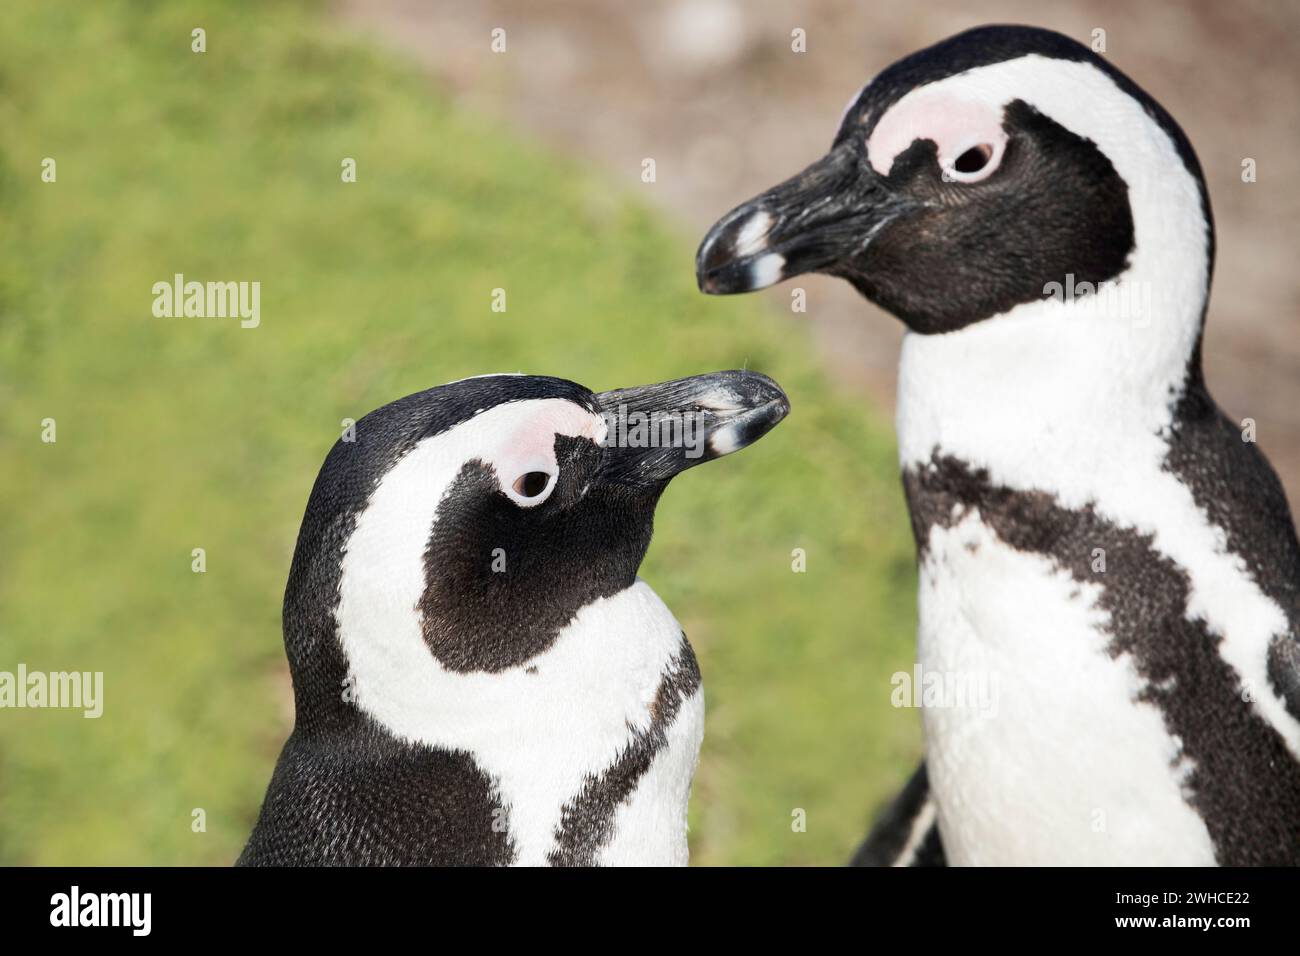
[
  {"x": 997, "y": 168},
  {"x": 483, "y": 514}
]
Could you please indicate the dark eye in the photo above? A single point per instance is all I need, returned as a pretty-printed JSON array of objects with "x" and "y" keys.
[
  {"x": 974, "y": 159},
  {"x": 531, "y": 484}
]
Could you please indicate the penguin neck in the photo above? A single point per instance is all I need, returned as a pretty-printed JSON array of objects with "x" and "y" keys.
[{"x": 1053, "y": 387}]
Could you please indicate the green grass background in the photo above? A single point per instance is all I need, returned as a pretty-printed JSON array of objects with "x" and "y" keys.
[{"x": 182, "y": 433}]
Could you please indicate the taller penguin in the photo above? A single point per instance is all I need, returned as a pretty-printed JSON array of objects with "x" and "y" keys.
[
  {"x": 479, "y": 675},
  {"x": 1094, "y": 535}
]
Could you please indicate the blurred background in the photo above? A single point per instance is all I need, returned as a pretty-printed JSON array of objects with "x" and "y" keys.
[{"x": 478, "y": 170}]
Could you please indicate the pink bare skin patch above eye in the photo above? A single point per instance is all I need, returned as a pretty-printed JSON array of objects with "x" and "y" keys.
[
  {"x": 954, "y": 125},
  {"x": 530, "y": 445}
]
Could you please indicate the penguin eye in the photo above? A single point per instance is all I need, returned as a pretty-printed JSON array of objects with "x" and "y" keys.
[
  {"x": 973, "y": 163},
  {"x": 531, "y": 484},
  {"x": 974, "y": 159}
]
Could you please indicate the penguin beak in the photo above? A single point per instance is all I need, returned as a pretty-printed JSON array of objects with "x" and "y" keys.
[
  {"x": 806, "y": 224},
  {"x": 658, "y": 431}
]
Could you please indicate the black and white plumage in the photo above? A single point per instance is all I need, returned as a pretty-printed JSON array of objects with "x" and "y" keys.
[
  {"x": 1091, "y": 529},
  {"x": 479, "y": 675}
]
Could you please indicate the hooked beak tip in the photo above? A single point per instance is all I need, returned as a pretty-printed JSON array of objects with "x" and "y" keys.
[
  {"x": 748, "y": 427},
  {"x": 745, "y": 406},
  {"x": 736, "y": 256}
]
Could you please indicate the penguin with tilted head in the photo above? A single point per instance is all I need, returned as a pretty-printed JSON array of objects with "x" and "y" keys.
[
  {"x": 1097, "y": 541},
  {"x": 479, "y": 675}
]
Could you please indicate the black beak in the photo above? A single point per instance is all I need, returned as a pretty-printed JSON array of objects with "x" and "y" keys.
[
  {"x": 806, "y": 224},
  {"x": 658, "y": 431}
]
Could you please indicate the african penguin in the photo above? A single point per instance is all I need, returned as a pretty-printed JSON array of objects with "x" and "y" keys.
[
  {"x": 479, "y": 675},
  {"x": 1094, "y": 536}
]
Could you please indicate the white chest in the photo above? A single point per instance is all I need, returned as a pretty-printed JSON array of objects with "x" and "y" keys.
[
  {"x": 544, "y": 730},
  {"x": 1062, "y": 763},
  {"x": 1073, "y": 767}
]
